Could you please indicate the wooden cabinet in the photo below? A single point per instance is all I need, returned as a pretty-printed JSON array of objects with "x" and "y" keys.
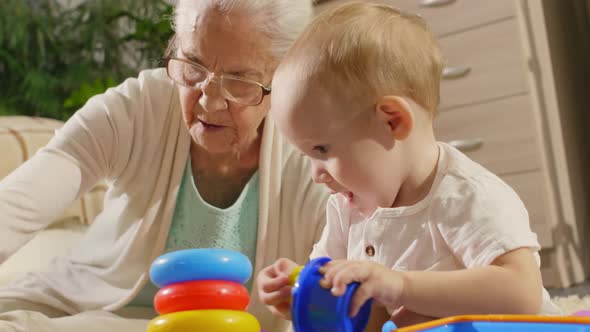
[{"x": 500, "y": 105}]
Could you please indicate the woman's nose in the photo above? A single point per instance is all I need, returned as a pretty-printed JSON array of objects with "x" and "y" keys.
[{"x": 211, "y": 98}]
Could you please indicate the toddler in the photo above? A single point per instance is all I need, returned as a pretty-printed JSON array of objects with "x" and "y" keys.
[{"x": 422, "y": 227}]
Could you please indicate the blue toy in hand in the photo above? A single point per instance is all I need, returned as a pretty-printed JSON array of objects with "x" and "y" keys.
[{"x": 314, "y": 308}]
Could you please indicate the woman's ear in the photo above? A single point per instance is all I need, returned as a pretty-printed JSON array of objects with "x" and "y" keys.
[{"x": 396, "y": 112}]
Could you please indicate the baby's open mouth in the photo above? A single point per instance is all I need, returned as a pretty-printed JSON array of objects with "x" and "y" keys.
[{"x": 348, "y": 194}]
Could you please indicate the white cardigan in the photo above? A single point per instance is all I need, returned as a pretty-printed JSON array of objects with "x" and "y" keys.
[{"x": 134, "y": 137}]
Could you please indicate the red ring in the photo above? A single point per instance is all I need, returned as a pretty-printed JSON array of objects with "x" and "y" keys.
[{"x": 201, "y": 295}]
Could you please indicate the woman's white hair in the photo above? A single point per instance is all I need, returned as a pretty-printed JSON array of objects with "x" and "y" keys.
[{"x": 281, "y": 20}]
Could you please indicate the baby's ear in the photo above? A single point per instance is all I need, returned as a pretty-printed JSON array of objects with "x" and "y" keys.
[{"x": 397, "y": 113}]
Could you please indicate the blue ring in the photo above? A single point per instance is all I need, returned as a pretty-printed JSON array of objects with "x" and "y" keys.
[
  {"x": 388, "y": 326},
  {"x": 200, "y": 264},
  {"x": 314, "y": 308}
]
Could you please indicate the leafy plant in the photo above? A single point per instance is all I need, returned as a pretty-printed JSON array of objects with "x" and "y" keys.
[{"x": 53, "y": 57}]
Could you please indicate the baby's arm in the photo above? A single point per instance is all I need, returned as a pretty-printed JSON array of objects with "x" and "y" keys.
[
  {"x": 511, "y": 284},
  {"x": 487, "y": 229}
]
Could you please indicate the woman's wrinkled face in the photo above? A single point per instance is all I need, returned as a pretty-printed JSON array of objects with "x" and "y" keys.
[{"x": 224, "y": 45}]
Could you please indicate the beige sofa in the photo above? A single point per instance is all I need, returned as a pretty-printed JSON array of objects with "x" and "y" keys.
[{"x": 20, "y": 138}]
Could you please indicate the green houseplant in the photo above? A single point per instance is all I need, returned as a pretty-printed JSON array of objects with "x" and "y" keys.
[{"x": 53, "y": 57}]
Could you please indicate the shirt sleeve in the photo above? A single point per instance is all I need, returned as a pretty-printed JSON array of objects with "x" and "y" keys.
[
  {"x": 334, "y": 240},
  {"x": 484, "y": 220},
  {"x": 88, "y": 148}
]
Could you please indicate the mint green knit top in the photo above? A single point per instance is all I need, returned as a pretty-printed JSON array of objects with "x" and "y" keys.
[{"x": 197, "y": 224}]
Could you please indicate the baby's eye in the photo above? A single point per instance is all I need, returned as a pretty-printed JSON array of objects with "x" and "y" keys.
[{"x": 321, "y": 149}]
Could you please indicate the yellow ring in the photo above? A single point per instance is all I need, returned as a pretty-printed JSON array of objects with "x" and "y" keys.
[
  {"x": 205, "y": 320},
  {"x": 295, "y": 274}
]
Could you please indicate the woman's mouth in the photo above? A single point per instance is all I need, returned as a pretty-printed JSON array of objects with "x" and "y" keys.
[{"x": 209, "y": 126}]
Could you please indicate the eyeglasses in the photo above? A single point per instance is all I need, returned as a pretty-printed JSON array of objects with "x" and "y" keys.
[{"x": 234, "y": 88}]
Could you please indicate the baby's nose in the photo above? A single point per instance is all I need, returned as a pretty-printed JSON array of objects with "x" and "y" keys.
[{"x": 321, "y": 177}]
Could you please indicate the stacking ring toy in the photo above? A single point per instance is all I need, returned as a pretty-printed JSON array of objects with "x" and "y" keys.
[
  {"x": 294, "y": 275},
  {"x": 200, "y": 264},
  {"x": 199, "y": 295},
  {"x": 205, "y": 320},
  {"x": 388, "y": 326},
  {"x": 314, "y": 308}
]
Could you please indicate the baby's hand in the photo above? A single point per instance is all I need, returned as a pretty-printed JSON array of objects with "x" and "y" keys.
[
  {"x": 377, "y": 282},
  {"x": 274, "y": 289}
]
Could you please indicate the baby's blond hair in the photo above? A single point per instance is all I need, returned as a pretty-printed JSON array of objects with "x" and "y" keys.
[{"x": 373, "y": 50}]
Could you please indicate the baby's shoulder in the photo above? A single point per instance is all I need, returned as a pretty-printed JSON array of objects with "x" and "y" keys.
[{"x": 468, "y": 191}]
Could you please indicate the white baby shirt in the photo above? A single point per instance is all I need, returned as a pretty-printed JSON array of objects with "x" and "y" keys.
[{"x": 469, "y": 218}]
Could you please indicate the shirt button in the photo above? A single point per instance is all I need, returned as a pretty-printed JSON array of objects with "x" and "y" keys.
[{"x": 370, "y": 251}]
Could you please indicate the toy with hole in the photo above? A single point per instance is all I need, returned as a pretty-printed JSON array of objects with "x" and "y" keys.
[
  {"x": 200, "y": 264},
  {"x": 200, "y": 295},
  {"x": 314, "y": 308},
  {"x": 202, "y": 290}
]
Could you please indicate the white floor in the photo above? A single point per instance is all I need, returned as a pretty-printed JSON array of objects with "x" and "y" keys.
[
  {"x": 572, "y": 299},
  {"x": 572, "y": 303}
]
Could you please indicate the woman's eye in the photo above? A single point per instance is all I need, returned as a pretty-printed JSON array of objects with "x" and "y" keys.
[{"x": 321, "y": 149}]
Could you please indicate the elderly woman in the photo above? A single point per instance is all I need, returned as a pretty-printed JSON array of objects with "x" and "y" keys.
[{"x": 190, "y": 162}]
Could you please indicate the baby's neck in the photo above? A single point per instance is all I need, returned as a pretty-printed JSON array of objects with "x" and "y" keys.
[{"x": 424, "y": 154}]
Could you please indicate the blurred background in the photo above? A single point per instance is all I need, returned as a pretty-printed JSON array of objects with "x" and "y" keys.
[{"x": 54, "y": 55}]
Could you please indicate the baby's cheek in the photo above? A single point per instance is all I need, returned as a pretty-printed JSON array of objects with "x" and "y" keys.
[{"x": 345, "y": 168}]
